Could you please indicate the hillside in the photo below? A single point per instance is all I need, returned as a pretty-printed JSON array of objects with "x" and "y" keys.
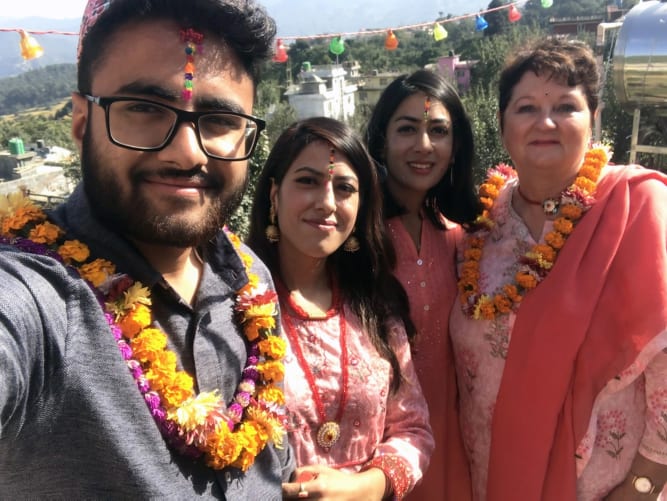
[{"x": 38, "y": 88}]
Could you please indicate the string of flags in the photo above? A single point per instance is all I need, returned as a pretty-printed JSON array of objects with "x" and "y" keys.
[
  {"x": 337, "y": 45},
  {"x": 31, "y": 49}
]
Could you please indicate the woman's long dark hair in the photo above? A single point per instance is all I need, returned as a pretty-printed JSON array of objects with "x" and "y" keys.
[
  {"x": 454, "y": 196},
  {"x": 365, "y": 278}
]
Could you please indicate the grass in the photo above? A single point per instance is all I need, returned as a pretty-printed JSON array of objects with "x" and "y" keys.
[{"x": 47, "y": 111}]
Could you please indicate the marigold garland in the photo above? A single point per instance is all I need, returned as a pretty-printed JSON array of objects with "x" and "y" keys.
[
  {"x": 535, "y": 264},
  {"x": 194, "y": 424}
]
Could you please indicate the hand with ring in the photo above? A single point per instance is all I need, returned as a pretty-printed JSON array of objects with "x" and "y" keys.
[
  {"x": 289, "y": 489},
  {"x": 328, "y": 484},
  {"x": 303, "y": 493}
]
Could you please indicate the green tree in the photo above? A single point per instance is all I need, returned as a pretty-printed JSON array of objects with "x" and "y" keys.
[
  {"x": 370, "y": 52},
  {"x": 280, "y": 117},
  {"x": 420, "y": 50},
  {"x": 312, "y": 51},
  {"x": 239, "y": 223},
  {"x": 536, "y": 15},
  {"x": 459, "y": 34},
  {"x": 33, "y": 127},
  {"x": 482, "y": 106},
  {"x": 492, "y": 52},
  {"x": 498, "y": 21},
  {"x": 37, "y": 88},
  {"x": 72, "y": 168},
  {"x": 616, "y": 122},
  {"x": 628, "y": 4}
]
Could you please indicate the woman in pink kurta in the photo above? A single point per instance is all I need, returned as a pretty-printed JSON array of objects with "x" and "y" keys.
[
  {"x": 357, "y": 420},
  {"x": 560, "y": 334},
  {"x": 628, "y": 414},
  {"x": 421, "y": 135}
]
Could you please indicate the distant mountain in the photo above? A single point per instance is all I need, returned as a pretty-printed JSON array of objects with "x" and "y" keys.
[
  {"x": 40, "y": 88},
  {"x": 301, "y": 18},
  {"x": 294, "y": 18}
]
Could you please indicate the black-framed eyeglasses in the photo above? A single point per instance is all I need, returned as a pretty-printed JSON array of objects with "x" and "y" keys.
[{"x": 144, "y": 125}]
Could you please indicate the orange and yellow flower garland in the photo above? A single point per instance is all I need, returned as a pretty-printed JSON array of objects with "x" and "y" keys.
[
  {"x": 226, "y": 435},
  {"x": 538, "y": 261}
]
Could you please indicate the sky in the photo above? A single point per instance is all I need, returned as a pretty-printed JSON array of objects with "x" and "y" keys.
[
  {"x": 62, "y": 9},
  {"x": 376, "y": 12},
  {"x": 69, "y": 9}
]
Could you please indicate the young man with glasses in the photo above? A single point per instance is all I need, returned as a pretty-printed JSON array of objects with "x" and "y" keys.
[{"x": 138, "y": 354}]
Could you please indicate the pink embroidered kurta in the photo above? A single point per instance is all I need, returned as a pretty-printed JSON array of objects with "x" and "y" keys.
[
  {"x": 629, "y": 413},
  {"x": 375, "y": 421},
  {"x": 429, "y": 278}
]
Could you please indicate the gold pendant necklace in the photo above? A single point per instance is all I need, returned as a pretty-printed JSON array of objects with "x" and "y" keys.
[{"x": 328, "y": 432}]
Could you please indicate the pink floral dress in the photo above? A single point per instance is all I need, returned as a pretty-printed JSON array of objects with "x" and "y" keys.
[
  {"x": 629, "y": 415},
  {"x": 375, "y": 421}
]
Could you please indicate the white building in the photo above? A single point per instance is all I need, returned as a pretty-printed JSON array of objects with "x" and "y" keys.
[
  {"x": 35, "y": 173},
  {"x": 322, "y": 91}
]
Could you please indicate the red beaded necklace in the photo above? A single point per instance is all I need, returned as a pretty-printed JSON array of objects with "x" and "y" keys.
[{"x": 328, "y": 432}]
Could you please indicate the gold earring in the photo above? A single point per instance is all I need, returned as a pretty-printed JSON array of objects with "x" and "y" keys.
[
  {"x": 352, "y": 243},
  {"x": 272, "y": 231}
]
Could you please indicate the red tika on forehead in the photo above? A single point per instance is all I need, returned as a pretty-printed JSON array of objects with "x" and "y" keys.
[
  {"x": 331, "y": 163},
  {"x": 193, "y": 45}
]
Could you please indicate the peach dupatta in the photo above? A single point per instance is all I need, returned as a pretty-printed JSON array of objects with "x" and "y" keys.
[{"x": 598, "y": 309}]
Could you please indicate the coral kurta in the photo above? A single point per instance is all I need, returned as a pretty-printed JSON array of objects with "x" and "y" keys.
[
  {"x": 429, "y": 278},
  {"x": 557, "y": 399},
  {"x": 375, "y": 421}
]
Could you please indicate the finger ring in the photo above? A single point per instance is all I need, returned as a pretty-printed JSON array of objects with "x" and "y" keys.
[{"x": 303, "y": 493}]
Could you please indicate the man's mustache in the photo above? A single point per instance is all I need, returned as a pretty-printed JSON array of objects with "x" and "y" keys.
[{"x": 195, "y": 174}]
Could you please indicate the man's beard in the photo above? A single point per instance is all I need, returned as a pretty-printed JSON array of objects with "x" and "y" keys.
[{"x": 134, "y": 215}]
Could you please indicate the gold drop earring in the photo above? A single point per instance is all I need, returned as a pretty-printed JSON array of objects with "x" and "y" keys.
[
  {"x": 272, "y": 231},
  {"x": 351, "y": 243}
]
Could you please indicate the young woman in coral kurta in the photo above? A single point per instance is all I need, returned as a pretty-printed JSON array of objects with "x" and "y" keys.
[
  {"x": 420, "y": 135},
  {"x": 428, "y": 281}
]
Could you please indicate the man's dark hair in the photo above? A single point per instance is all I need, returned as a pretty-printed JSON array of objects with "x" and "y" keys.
[
  {"x": 454, "y": 196},
  {"x": 568, "y": 62},
  {"x": 241, "y": 25}
]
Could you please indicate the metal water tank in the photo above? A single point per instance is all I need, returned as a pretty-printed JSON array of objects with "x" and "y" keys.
[{"x": 640, "y": 56}]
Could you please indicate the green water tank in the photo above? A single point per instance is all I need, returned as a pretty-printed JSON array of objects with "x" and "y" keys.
[{"x": 16, "y": 146}]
